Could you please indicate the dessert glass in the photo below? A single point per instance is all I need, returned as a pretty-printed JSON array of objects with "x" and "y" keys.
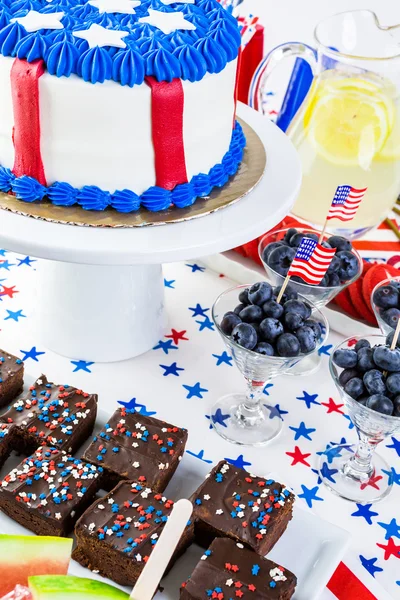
[{"x": 383, "y": 326}]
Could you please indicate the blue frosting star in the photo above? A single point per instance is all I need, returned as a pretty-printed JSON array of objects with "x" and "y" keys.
[
  {"x": 198, "y": 311},
  {"x": 194, "y": 391},
  {"x": 218, "y": 417},
  {"x": 6, "y": 265},
  {"x": 195, "y": 268},
  {"x": 393, "y": 476},
  {"x": 267, "y": 387},
  {"x": 302, "y": 431},
  {"x": 169, "y": 283},
  {"x": 364, "y": 510},
  {"x": 81, "y": 365},
  {"x": 369, "y": 565},
  {"x": 276, "y": 411},
  {"x": 223, "y": 358},
  {"x": 14, "y": 315},
  {"x": 171, "y": 369},
  {"x": 395, "y": 445},
  {"x": 310, "y": 494},
  {"x": 206, "y": 324},
  {"x": 392, "y": 529},
  {"x": 238, "y": 462},
  {"x": 325, "y": 350},
  {"x": 165, "y": 346},
  {"x": 140, "y": 408},
  {"x": 26, "y": 261},
  {"x": 308, "y": 399},
  {"x": 328, "y": 473},
  {"x": 200, "y": 456},
  {"x": 32, "y": 353}
]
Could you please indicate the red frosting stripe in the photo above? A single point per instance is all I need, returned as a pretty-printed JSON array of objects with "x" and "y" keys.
[
  {"x": 167, "y": 101},
  {"x": 26, "y": 134},
  {"x": 345, "y": 585}
]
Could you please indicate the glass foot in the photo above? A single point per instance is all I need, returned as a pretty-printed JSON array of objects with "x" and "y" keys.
[
  {"x": 367, "y": 489},
  {"x": 233, "y": 422},
  {"x": 306, "y": 366}
]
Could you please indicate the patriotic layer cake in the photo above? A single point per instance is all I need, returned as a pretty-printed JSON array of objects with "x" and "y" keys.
[{"x": 121, "y": 103}]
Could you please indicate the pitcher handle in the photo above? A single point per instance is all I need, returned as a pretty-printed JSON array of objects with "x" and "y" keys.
[{"x": 268, "y": 64}]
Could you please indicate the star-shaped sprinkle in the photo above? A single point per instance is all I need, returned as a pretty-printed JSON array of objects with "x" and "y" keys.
[
  {"x": 14, "y": 315},
  {"x": 165, "y": 346},
  {"x": 194, "y": 391},
  {"x": 194, "y": 267},
  {"x": 369, "y": 565},
  {"x": 310, "y": 495},
  {"x": 238, "y": 462},
  {"x": 392, "y": 529},
  {"x": 124, "y": 7},
  {"x": 206, "y": 324},
  {"x": 169, "y": 283},
  {"x": 81, "y": 365},
  {"x": 302, "y": 431},
  {"x": 6, "y": 265},
  {"x": 298, "y": 457},
  {"x": 198, "y": 311},
  {"x": 308, "y": 398},
  {"x": 223, "y": 358},
  {"x": 364, "y": 510},
  {"x": 391, "y": 549},
  {"x": 98, "y": 36},
  {"x": 34, "y": 21},
  {"x": 200, "y": 456},
  {"x": 328, "y": 473},
  {"x": 171, "y": 369},
  {"x": 177, "y": 336},
  {"x": 395, "y": 445},
  {"x": 32, "y": 353},
  {"x": 219, "y": 418},
  {"x": 333, "y": 407},
  {"x": 393, "y": 476},
  {"x": 276, "y": 411},
  {"x": 25, "y": 261}
]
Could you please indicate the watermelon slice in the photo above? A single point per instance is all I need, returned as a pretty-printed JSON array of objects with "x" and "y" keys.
[
  {"x": 54, "y": 587},
  {"x": 25, "y": 555}
]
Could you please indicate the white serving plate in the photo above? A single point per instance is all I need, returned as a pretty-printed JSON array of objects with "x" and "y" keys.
[{"x": 313, "y": 558}]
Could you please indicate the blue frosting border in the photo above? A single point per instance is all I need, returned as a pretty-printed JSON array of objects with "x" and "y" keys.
[{"x": 154, "y": 199}]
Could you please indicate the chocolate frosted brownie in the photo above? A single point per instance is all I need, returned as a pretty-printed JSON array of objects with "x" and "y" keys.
[
  {"x": 7, "y": 441},
  {"x": 228, "y": 570},
  {"x": 48, "y": 491},
  {"x": 52, "y": 415},
  {"x": 246, "y": 508},
  {"x": 115, "y": 536},
  {"x": 134, "y": 447},
  {"x": 11, "y": 377}
]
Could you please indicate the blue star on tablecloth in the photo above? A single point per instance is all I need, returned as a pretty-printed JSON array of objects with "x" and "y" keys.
[
  {"x": 6, "y": 265},
  {"x": 140, "y": 408},
  {"x": 308, "y": 399},
  {"x": 392, "y": 529},
  {"x": 200, "y": 456},
  {"x": 310, "y": 494},
  {"x": 275, "y": 411},
  {"x": 165, "y": 346},
  {"x": 223, "y": 358},
  {"x": 238, "y": 462},
  {"x": 3, "y": 252},
  {"x": 198, "y": 311},
  {"x": 26, "y": 261},
  {"x": 331, "y": 452},
  {"x": 395, "y": 445},
  {"x": 15, "y": 315},
  {"x": 393, "y": 476},
  {"x": 169, "y": 283},
  {"x": 81, "y": 365},
  {"x": 302, "y": 431},
  {"x": 171, "y": 369},
  {"x": 268, "y": 386},
  {"x": 328, "y": 473},
  {"x": 219, "y": 418},
  {"x": 319, "y": 478},
  {"x": 195, "y": 268},
  {"x": 364, "y": 510},
  {"x": 194, "y": 391},
  {"x": 351, "y": 424},
  {"x": 206, "y": 324},
  {"x": 325, "y": 350},
  {"x": 32, "y": 353},
  {"x": 369, "y": 565}
]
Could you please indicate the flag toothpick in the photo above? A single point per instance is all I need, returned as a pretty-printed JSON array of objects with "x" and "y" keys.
[
  {"x": 396, "y": 336},
  {"x": 344, "y": 205}
]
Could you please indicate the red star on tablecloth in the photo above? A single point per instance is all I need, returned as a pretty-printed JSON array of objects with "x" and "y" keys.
[
  {"x": 8, "y": 291},
  {"x": 372, "y": 482},
  {"x": 298, "y": 457},
  {"x": 177, "y": 336},
  {"x": 333, "y": 407},
  {"x": 390, "y": 549},
  {"x": 352, "y": 342}
]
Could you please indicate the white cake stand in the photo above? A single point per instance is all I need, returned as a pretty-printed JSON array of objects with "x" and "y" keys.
[{"x": 101, "y": 293}]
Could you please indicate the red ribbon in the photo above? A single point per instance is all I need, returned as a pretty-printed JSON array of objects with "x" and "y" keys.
[
  {"x": 346, "y": 586},
  {"x": 26, "y": 133},
  {"x": 167, "y": 101}
]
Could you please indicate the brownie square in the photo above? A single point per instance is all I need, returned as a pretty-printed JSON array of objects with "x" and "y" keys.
[
  {"x": 49, "y": 491},
  {"x": 134, "y": 447},
  {"x": 228, "y": 570},
  {"x": 11, "y": 377},
  {"x": 7, "y": 441},
  {"x": 246, "y": 508},
  {"x": 52, "y": 415},
  {"x": 115, "y": 536}
]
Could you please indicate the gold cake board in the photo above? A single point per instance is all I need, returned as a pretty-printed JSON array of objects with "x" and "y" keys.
[{"x": 242, "y": 183}]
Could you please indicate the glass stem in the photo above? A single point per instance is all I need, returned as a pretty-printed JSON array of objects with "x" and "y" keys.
[
  {"x": 250, "y": 412},
  {"x": 359, "y": 467}
]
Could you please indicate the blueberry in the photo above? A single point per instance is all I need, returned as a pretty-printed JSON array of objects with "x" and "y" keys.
[
  {"x": 260, "y": 292},
  {"x": 268, "y": 249},
  {"x": 292, "y": 321},
  {"x": 396, "y": 403},
  {"x": 281, "y": 258},
  {"x": 347, "y": 359},
  {"x": 390, "y": 316},
  {"x": 365, "y": 359},
  {"x": 251, "y": 313},
  {"x": 265, "y": 349},
  {"x": 257, "y": 328},
  {"x": 354, "y": 387},
  {"x": 334, "y": 266},
  {"x": 373, "y": 381},
  {"x": 389, "y": 339},
  {"x": 288, "y": 345},
  {"x": 229, "y": 321},
  {"x": 245, "y": 335},
  {"x": 339, "y": 242},
  {"x": 295, "y": 240},
  {"x": 387, "y": 359},
  {"x": 380, "y": 403},
  {"x": 244, "y": 296},
  {"x": 306, "y": 337},
  {"x": 324, "y": 281},
  {"x": 386, "y": 296},
  {"x": 393, "y": 383},
  {"x": 363, "y": 400},
  {"x": 289, "y": 293},
  {"x": 348, "y": 265},
  {"x": 289, "y": 234},
  {"x": 326, "y": 245},
  {"x": 270, "y": 329},
  {"x": 297, "y": 306},
  {"x": 273, "y": 309},
  {"x": 334, "y": 280},
  {"x": 362, "y": 344},
  {"x": 346, "y": 375},
  {"x": 316, "y": 327},
  {"x": 239, "y": 308}
]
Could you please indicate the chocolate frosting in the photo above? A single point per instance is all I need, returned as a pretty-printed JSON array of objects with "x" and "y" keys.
[{"x": 9, "y": 366}]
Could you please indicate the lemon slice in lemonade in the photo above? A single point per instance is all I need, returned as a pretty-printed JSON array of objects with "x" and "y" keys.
[{"x": 349, "y": 120}]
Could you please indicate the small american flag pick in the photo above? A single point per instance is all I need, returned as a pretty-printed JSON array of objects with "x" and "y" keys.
[
  {"x": 311, "y": 261},
  {"x": 345, "y": 203}
]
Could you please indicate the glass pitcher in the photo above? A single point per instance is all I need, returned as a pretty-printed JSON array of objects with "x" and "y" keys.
[{"x": 347, "y": 130}]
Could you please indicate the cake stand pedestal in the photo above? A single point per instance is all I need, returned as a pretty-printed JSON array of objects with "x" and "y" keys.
[{"x": 100, "y": 293}]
